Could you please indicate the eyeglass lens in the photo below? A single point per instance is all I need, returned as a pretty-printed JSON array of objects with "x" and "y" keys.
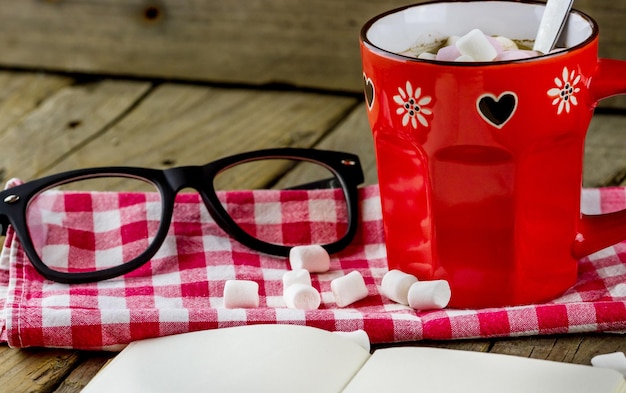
[
  {"x": 311, "y": 207},
  {"x": 75, "y": 230}
]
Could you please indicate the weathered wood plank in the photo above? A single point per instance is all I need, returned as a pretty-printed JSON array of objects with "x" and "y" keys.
[
  {"x": 85, "y": 371},
  {"x": 21, "y": 92},
  {"x": 62, "y": 123},
  {"x": 575, "y": 348},
  {"x": 605, "y": 147},
  {"x": 313, "y": 44},
  {"x": 189, "y": 125},
  {"x": 461, "y": 345},
  {"x": 284, "y": 41},
  {"x": 476, "y": 345},
  {"x": 34, "y": 370},
  {"x": 557, "y": 348},
  {"x": 610, "y": 16},
  {"x": 596, "y": 344},
  {"x": 353, "y": 135}
]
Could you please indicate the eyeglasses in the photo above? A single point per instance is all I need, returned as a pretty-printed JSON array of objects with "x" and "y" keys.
[{"x": 71, "y": 236}]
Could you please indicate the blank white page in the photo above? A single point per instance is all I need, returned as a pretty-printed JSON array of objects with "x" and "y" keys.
[
  {"x": 434, "y": 370},
  {"x": 268, "y": 358}
]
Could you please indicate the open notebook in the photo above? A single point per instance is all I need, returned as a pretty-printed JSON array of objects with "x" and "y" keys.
[{"x": 291, "y": 358}]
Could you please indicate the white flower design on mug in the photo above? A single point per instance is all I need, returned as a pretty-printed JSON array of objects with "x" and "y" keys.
[
  {"x": 412, "y": 106},
  {"x": 564, "y": 93}
]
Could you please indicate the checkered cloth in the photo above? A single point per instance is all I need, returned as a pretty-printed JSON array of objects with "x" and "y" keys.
[{"x": 181, "y": 290}]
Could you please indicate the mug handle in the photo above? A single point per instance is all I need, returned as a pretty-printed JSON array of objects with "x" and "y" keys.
[{"x": 600, "y": 231}]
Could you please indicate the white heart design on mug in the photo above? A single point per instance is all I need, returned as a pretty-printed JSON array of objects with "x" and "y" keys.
[{"x": 497, "y": 111}]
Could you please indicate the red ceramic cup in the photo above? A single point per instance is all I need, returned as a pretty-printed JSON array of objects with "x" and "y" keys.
[{"x": 480, "y": 164}]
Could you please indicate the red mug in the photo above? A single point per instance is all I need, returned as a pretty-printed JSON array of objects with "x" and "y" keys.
[{"x": 480, "y": 164}]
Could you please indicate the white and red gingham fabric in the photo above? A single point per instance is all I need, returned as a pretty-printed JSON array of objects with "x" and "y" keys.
[{"x": 181, "y": 289}]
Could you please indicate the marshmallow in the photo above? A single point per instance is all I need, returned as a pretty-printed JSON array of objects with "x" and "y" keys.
[
  {"x": 513, "y": 55},
  {"x": 313, "y": 258},
  {"x": 531, "y": 53},
  {"x": 448, "y": 53},
  {"x": 302, "y": 297},
  {"x": 495, "y": 43},
  {"x": 452, "y": 40},
  {"x": 615, "y": 361},
  {"x": 477, "y": 46},
  {"x": 464, "y": 58},
  {"x": 241, "y": 294},
  {"x": 427, "y": 56},
  {"x": 359, "y": 337},
  {"x": 349, "y": 288},
  {"x": 506, "y": 43},
  {"x": 396, "y": 284},
  {"x": 429, "y": 295},
  {"x": 300, "y": 276}
]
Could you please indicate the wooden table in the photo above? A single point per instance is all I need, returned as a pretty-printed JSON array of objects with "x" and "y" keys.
[{"x": 54, "y": 122}]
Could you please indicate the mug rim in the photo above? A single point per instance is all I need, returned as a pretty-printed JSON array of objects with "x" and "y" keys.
[{"x": 399, "y": 57}]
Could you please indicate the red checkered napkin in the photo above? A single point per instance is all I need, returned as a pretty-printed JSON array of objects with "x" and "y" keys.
[{"x": 181, "y": 289}]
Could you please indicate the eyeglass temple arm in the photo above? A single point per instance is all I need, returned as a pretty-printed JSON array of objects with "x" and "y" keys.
[{"x": 4, "y": 225}]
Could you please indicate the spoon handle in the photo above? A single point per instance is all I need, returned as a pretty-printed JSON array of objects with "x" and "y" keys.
[{"x": 552, "y": 22}]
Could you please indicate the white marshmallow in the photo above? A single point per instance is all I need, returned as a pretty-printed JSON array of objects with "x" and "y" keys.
[
  {"x": 495, "y": 43},
  {"x": 506, "y": 43},
  {"x": 615, "y": 361},
  {"x": 429, "y": 295},
  {"x": 313, "y": 258},
  {"x": 476, "y": 45},
  {"x": 349, "y": 288},
  {"x": 452, "y": 40},
  {"x": 300, "y": 276},
  {"x": 464, "y": 58},
  {"x": 241, "y": 294},
  {"x": 396, "y": 284},
  {"x": 359, "y": 337},
  {"x": 427, "y": 56},
  {"x": 302, "y": 297}
]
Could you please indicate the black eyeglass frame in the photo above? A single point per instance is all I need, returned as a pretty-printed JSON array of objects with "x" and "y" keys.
[{"x": 14, "y": 203}]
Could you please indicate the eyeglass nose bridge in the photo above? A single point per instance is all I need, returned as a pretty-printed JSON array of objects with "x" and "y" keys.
[{"x": 185, "y": 176}]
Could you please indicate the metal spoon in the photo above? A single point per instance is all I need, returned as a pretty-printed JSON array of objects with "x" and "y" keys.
[{"x": 552, "y": 22}]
